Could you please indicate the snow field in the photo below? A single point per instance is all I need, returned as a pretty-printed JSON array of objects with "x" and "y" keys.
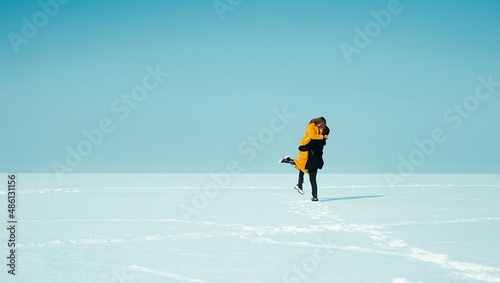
[{"x": 113, "y": 228}]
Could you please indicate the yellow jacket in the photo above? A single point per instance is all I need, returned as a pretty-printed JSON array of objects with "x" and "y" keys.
[{"x": 312, "y": 133}]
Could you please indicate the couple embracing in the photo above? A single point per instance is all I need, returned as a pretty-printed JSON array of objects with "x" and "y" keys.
[{"x": 310, "y": 157}]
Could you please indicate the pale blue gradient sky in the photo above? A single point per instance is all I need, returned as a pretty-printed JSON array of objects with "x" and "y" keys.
[{"x": 227, "y": 76}]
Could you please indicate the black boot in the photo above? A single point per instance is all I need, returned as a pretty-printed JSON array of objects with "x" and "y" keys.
[{"x": 299, "y": 189}]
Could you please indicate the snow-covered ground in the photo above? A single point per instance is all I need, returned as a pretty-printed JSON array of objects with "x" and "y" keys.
[{"x": 253, "y": 228}]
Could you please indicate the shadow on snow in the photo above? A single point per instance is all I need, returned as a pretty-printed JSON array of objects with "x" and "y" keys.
[{"x": 352, "y": 197}]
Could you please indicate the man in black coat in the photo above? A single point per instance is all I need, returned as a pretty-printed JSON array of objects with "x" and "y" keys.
[{"x": 314, "y": 162}]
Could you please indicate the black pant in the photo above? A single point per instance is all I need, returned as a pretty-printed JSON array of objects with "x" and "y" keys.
[{"x": 312, "y": 179}]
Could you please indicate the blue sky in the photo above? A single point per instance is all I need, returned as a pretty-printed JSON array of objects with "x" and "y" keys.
[{"x": 232, "y": 68}]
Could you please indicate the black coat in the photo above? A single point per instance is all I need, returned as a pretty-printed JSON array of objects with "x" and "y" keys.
[
  {"x": 315, "y": 149},
  {"x": 315, "y": 156}
]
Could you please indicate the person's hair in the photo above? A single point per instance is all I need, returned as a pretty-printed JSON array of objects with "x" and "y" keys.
[
  {"x": 320, "y": 122},
  {"x": 326, "y": 131}
]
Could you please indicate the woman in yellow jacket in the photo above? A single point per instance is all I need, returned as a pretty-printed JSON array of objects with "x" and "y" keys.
[{"x": 314, "y": 131}]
